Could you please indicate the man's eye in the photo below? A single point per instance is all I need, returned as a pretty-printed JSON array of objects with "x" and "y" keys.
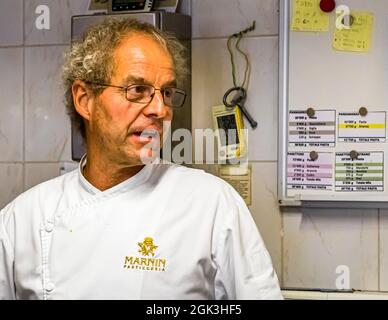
[
  {"x": 137, "y": 89},
  {"x": 168, "y": 92}
]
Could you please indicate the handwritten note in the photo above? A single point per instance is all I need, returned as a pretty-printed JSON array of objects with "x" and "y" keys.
[
  {"x": 308, "y": 16},
  {"x": 358, "y": 36}
]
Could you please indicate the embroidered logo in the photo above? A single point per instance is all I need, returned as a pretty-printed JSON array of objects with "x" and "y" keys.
[{"x": 147, "y": 249}]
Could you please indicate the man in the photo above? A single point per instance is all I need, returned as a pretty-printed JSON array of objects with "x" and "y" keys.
[{"x": 118, "y": 228}]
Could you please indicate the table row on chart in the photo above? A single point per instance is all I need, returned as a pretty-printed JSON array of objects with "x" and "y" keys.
[
  {"x": 321, "y": 128},
  {"x": 339, "y": 171}
]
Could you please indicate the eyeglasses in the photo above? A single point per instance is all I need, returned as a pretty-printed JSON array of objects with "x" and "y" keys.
[{"x": 144, "y": 93}]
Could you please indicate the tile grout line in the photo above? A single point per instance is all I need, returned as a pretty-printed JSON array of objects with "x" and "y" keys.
[
  {"x": 193, "y": 39},
  {"x": 36, "y": 45}
]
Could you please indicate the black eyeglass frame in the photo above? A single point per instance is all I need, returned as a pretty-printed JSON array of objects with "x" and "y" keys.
[{"x": 181, "y": 91}]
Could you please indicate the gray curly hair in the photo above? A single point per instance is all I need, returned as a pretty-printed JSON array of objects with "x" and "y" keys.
[{"x": 91, "y": 59}]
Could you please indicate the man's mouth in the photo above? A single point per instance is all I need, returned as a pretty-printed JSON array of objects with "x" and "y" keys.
[{"x": 146, "y": 135}]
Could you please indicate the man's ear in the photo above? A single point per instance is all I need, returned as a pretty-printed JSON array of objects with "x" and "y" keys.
[{"x": 82, "y": 99}]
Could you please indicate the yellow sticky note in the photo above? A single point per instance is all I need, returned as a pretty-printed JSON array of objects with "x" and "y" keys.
[
  {"x": 308, "y": 16},
  {"x": 358, "y": 36}
]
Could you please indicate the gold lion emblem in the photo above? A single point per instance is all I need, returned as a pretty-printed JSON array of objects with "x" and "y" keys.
[{"x": 147, "y": 247}]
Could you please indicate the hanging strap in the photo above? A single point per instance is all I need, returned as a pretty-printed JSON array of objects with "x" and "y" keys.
[{"x": 247, "y": 71}]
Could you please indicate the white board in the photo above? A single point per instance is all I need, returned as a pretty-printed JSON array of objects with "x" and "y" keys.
[{"x": 336, "y": 85}]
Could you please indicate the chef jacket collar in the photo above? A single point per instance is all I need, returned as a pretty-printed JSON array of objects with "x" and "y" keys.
[{"x": 131, "y": 183}]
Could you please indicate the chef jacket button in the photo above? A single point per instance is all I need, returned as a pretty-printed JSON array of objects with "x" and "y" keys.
[
  {"x": 50, "y": 287},
  {"x": 49, "y": 227}
]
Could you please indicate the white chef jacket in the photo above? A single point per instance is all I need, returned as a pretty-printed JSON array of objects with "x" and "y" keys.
[{"x": 169, "y": 232}]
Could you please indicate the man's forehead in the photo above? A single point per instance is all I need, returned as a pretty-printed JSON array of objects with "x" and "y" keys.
[
  {"x": 143, "y": 51},
  {"x": 132, "y": 79},
  {"x": 141, "y": 46},
  {"x": 140, "y": 57}
]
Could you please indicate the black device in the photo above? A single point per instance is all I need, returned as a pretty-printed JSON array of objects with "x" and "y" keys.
[{"x": 121, "y": 6}]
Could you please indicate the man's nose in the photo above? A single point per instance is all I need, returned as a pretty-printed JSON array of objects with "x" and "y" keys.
[{"x": 157, "y": 107}]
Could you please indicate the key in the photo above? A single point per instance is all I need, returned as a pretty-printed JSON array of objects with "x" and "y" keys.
[{"x": 239, "y": 99}]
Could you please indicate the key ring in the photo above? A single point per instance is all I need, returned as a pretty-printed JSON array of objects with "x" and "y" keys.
[{"x": 237, "y": 99}]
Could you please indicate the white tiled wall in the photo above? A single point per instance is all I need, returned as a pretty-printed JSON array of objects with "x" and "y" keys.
[
  {"x": 11, "y": 14},
  {"x": 317, "y": 241},
  {"x": 265, "y": 209},
  {"x": 383, "y": 250},
  {"x": 211, "y": 57},
  {"x": 36, "y": 173},
  {"x": 47, "y": 126},
  {"x": 305, "y": 246},
  {"x": 60, "y": 13},
  {"x": 221, "y": 18},
  {"x": 11, "y": 177},
  {"x": 34, "y": 127},
  {"x": 213, "y": 22},
  {"x": 11, "y": 99}
]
